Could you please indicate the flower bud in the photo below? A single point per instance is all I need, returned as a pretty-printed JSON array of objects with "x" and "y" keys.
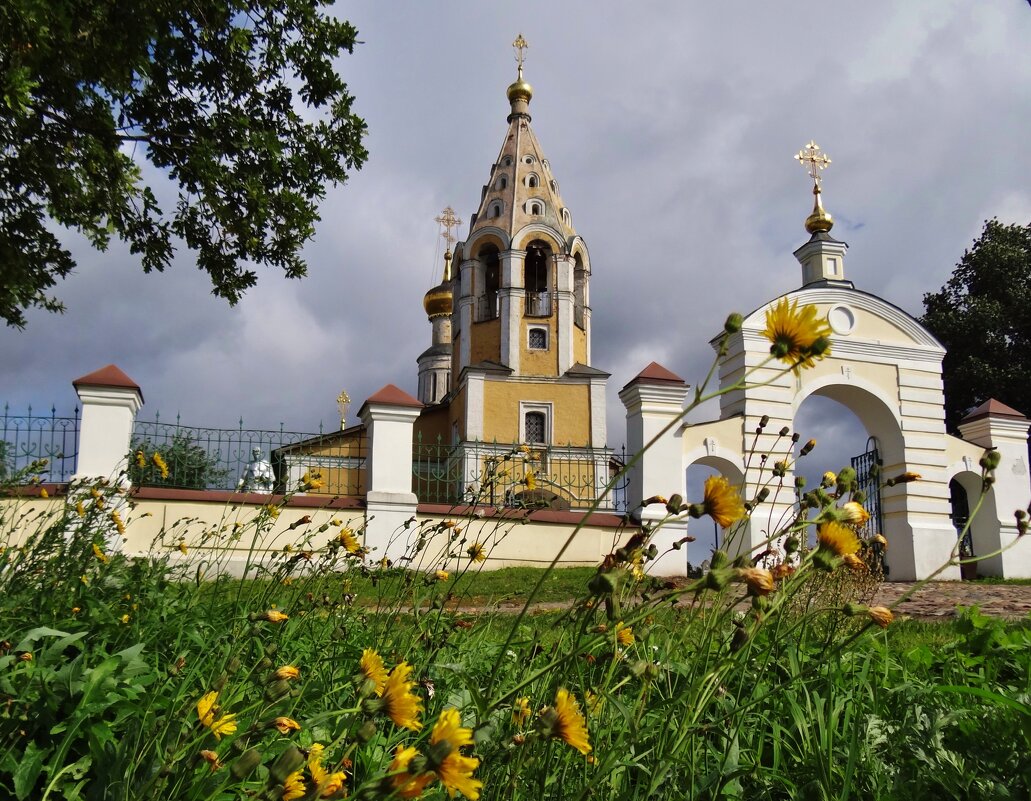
[
  {"x": 785, "y": 431},
  {"x": 764, "y": 421},
  {"x": 245, "y": 764},
  {"x": 289, "y": 761},
  {"x": 881, "y": 615},
  {"x": 764, "y": 493},
  {"x": 366, "y": 731},
  {"x": 808, "y": 447},
  {"x": 674, "y": 503},
  {"x": 758, "y": 580},
  {"x": 791, "y": 545},
  {"x": 990, "y": 459},
  {"x": 733, "y": 323},
  {"x": 719, "y": 559}
]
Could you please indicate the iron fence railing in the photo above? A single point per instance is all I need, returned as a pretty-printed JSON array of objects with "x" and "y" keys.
[
  {"x": 246, "y": 459},
  {"x": 537, "y": 304},
  {"x": 488, "y": 307},
  {"x": 27, "y": 439},
  {"x": 497, "y": 474}
]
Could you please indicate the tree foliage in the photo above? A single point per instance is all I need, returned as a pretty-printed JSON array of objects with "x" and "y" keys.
[
  {"x": 983, "y": 317},
  {"x": 237, "y": 101},
  {"x": 186, "y": 465}
]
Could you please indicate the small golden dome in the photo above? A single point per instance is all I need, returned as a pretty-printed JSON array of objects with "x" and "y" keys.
[
  {"x": 520, "y": 90},
  {"x": 438, "y": 301},
  {"x": 819, "y": 221}
]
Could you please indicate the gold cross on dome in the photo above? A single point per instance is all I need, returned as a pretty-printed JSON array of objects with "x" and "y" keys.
[
  {"x": 448, "y": 219},
  {"x": 813, "y": 160},
  {"x": 343, "y": 401},
  {"x": 520, "y": 45}
]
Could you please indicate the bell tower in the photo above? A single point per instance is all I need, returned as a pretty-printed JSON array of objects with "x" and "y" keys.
[{"x": 521, "y": 370}]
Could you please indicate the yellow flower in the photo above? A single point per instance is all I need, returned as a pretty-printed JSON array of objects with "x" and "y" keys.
[
  {"x": 837, "y": 538},
  {"x": 207, "y": 707},
  {"x": 160, "y": 464},
  {"x": 332, "y": 785},
  {"x": 880, "y": 540},
  {"x": 286, "y": 673},
  {"x": 624, "y": 634},
  {"x": 97, "y": 552},
  {"x": 286, "y": 725},
  {"x": 76, "y": 610},
  {"x": 272, "y": 509},
  {"x": 212, "y": 759},
  {"x": 442, "y": 575},
  {"x": 141, "y": 459},
  {"x": 318, "y": 773},
  {"x": 117, "y": 520},
  {"x": 593, "y": 702},
  {"x": 722, "y": 502},
  {"x": 568, "y": 722},
  {"x": 854, "y": 513},
  {"x": 349, "y": 541},
  {"x": 881, "y": 615},
  {"x": 372, "y": 668},
  {"x": 830, "y": 478},
  {"x": 275, "y": 616},
  {"x": 454, "y": 770},
  {"x": 904, "y": 478},
  {"x": 853, "y": 562},
  {"x": 520, "y": 711},
  {"x": 530, "y": 480},
  {"x": 407, "y": 785},
  {"x": 80, "y": 510},
  {"x": 182, "y": 547},
  {"x": 476, "y": 552},
  {"x": 84, "y": 579},
  {"x": 311, "y": 480},
  {"x": 125, "y": 618},
  {"x": 796, "y": 336},
  {"x": 401, "y": 704},
  {"x": 293, "y": 787},
  {"x": 759, "y": 580},
  {"x": 43, "y": 492}
]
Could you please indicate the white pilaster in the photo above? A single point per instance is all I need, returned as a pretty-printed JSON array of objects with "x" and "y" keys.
[
  {"x": 109, "y": 406},
  {"x": 649, "y": 409}
]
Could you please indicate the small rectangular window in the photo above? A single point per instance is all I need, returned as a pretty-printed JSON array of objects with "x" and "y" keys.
[{"x": 538, "y": 339}]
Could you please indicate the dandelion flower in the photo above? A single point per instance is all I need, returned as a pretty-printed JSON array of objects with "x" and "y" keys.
[
  {"x": 275, "y": 616},
  {"x": 530, "y": 480},
  {"x": 854, "y": 513},
  {"x": 521, "y": 711},
  {"x": 293, "y": 787},
  {"x": 476, "y": 552},
  {"x": 101, "y": 556},
  {"x": 837, "y": 538},
  {"x": 160, "y": 464},
  {"x": 759, "y": 580},
  {"x": 286, "y": 725},
  {"x": 407, "y": 785},
  {"x": 853, "y": 562},
  {"x": 624, "y": 634},
  {"x": 568, "y": 722},
  {"x": 312, "y": 479},
  {"x": 117, "y": 520},
  {"x": 881, "y": 615},
  {"x": 722, "y": 502},
  {"x": 125, "y": 618},
  {"x": 80, "y": 510},
  {"x": 211, "y": 717},
  {"x": 212, "y": 759},
  {"x": 349, "y": 541},
  {"x": 794, "y": 334},
  {"x": 372, "y": 668},
  {"x": 442, "y": 575},
  {"x": 880, "y": 540},
  {"x": 401, "y": 704},
  {"x": 287, "y": 673},
  {"x": 830, "y": 478},
  {"x": 141, "y": 461},
  {"x": 182, "y": 547},
  {"x": 454, "y": 770},
  {"x": 43, "y": 492},
  {"x": 272, "y": 509}
]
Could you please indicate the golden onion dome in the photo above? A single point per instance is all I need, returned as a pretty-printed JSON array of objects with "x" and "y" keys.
[
  {"x": 819, "y": 221},
  {"x": 439, "y": 301},
  {"x": 520, "y": 90}
]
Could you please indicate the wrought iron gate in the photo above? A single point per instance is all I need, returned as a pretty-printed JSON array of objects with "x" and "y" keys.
[{"x": 868, "y": 478}]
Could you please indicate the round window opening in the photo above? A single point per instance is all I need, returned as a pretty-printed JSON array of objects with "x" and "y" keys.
[{"x": 842, "y": 320}]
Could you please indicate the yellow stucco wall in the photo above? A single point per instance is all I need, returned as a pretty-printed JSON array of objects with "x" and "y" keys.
[
  {"x": 456, "y": 413},
  {"x": 486, "y": 342},
  {"x": 433, "y": 424},
  {"x": 571, "y": 410},
  {"x": 579, "y": 345},
  {"x": 538, "y": 362}
]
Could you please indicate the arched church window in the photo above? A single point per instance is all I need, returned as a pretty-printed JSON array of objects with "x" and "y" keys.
[
  {"x": 579, "y": 288},
  {"x": 495, "y": 210},
  {"x": 502, "y": 182},
  {"x": 532, "y": 181},
  {"x": 567, "y": 217},
  {"x": 536, "y": 279},
  {"x": 535, "y": 209},
  {"x": 487, "y": 303}
]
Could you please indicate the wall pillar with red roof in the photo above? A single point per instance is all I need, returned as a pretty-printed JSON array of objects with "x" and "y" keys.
[
  {"x": 654, "y": 399},
  {"x": 110, "y": 400},
  {"x": 997, "y": 426},
  {"x": 389, "y": 417}
]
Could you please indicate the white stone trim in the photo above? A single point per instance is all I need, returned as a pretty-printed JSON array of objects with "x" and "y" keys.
[
  {"x": 474, "y": 406},
  {"x": 547, "y": 409}
]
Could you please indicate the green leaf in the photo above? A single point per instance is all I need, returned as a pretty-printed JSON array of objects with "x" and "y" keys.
[{"x": 28, "y": 770}]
